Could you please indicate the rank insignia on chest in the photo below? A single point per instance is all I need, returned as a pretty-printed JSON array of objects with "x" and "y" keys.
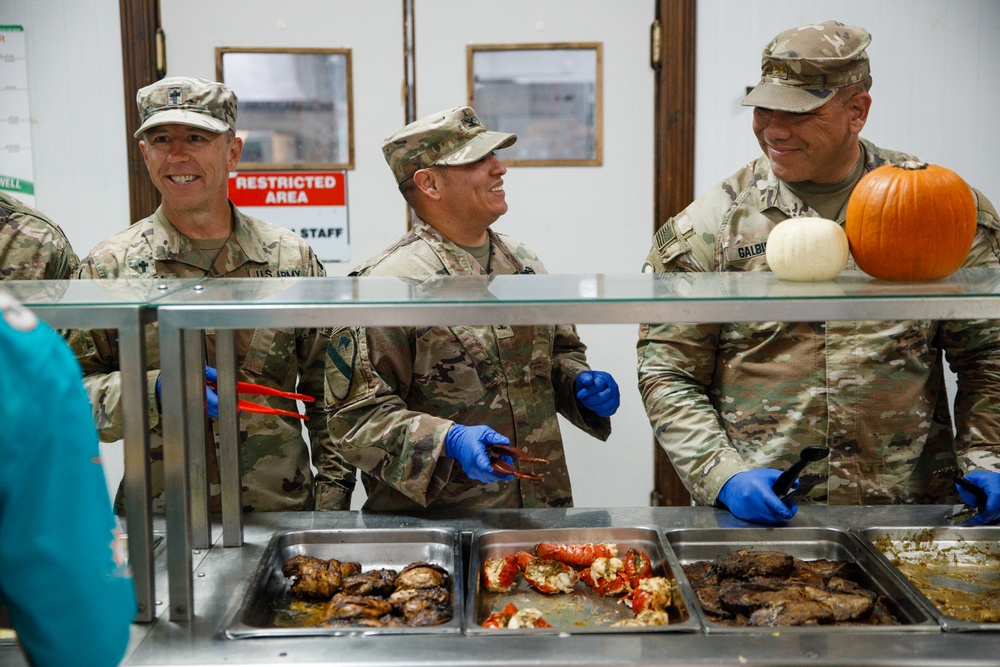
[
  {"x": 741, "y": 253},
  {"x": 341, "y": 352}
]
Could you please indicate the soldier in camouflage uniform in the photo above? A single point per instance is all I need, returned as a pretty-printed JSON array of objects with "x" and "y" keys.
[
  {"x": 32, "y": 247},
  {"x": 415, "y": 408},
  {"x": 733, "y": 403},
  {"x": 189, "y": 145}
]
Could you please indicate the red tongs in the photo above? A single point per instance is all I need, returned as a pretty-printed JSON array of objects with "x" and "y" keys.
[
  {"x": 521, "y": 455},
  {"x": 260, "y": 390}
]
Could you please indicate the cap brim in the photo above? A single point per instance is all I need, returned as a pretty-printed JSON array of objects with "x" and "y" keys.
[
  {"x": 775, "y": 96},
  {"x": 481, "y": 145},
  {"x": 183, "y": 117}
]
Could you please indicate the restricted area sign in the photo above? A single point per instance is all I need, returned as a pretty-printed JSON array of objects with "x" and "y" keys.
[{"x": 313, "y": 204}]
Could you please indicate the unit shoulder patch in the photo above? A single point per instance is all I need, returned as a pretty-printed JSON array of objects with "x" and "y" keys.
[{"x": 342, "y": 353}]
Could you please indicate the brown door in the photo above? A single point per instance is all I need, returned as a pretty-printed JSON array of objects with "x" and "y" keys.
[{"x": 673, "y": 54}]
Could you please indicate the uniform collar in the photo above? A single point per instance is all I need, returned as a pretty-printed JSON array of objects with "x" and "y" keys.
[
  {"x": 455, "y": 260},
  {"x": 170, "y": 245},
  {"x": 774, "y": 193}
]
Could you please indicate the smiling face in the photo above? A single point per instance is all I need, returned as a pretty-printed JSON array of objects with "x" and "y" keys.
[
  {"x": 190, "y": 167},
  {"x": 820, "y": 145},
  {"x": 473, "y": 193}
]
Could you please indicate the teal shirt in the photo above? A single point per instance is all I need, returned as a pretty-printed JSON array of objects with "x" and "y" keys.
[{"x": 62, "y": 572}]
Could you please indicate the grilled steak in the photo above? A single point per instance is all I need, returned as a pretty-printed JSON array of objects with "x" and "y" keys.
[
  {"x": 775, "y": 589},
  {"x": 748, "y": 565}
]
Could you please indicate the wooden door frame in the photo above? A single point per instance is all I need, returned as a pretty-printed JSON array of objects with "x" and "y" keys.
[
  {"x": 674, "y": 63},
  {"x": 140, "y": 22}
]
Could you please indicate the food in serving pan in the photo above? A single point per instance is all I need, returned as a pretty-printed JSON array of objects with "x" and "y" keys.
[
  {"x": 606, "y": 576},
  {"x": 577, "y": 555},
  {"x": 500, "y": 573},
  {"x": 510, "y": 617},
  {"x": 770, "y": 588},
  {"x": 329, "y": 593},
  {"x": 957, "y": 572},
  {"x": 547, "y": 576},
  {"x": 315, "y": 577},
  {"x": 954, "y": 590},
  {"x": 647, "y": 617},
  {"x": 630, "y": 579}
]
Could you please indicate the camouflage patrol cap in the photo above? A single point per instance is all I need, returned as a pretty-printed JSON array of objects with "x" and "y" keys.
[
  {"x": 449, "y": 138},
  {"x": 188, "y": 101},
  {"x": 802, "y": 68}
]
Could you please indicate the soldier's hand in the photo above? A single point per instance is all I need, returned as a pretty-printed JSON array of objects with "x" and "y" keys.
[
  {"x": 749, "y": 496},
  {"x": 211, "y": 398},
  {"x": 467, "y": 445},
  {"x": 990, "y": 483},
  {"x": 597, "y": 391}
]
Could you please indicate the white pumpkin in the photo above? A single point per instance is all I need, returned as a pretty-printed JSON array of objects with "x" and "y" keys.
[{"x": 807, "y": 249}]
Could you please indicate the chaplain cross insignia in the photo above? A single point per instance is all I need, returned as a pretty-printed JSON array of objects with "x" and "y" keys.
[{"x": 175, "y": 95}]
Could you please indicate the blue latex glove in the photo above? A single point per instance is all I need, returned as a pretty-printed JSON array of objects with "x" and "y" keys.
[
  {"x": 748, "y": 495},
  {"x": 467, "y": 445},
  {"x": 597, "y": 391},
  {"x": 211, "y": 398},
  {"x": 990, "y": 483}
]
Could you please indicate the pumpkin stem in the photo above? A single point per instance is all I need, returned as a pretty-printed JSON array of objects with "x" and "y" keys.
[{"x": 912, "y": 165}]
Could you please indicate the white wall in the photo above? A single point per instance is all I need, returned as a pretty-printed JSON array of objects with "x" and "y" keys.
[
  {"x": 78, "y": 123},
  {"x": 935, "y": 64},
  {"x": 935, "y": 68}
]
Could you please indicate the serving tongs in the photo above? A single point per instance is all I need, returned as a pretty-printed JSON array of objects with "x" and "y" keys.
[
  {"x": 252, "y": 389},
  {"x": 502, "y": 466},
  {"x": 782, "y": 486},
  {"x": 955, "y": 474}
]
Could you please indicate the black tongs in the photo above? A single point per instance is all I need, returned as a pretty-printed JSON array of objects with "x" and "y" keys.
[
  {"x": 783, "y": 484},
  {"x": 955, "y": 474}
]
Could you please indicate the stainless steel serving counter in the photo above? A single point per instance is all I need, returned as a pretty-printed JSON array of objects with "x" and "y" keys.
[
  {"x": 221, "y": 575},
  {"x": 206, "y": 582},
  {"x": 223, "y": 305}
]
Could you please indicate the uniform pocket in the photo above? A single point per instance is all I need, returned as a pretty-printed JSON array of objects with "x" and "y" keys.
[
  {"x": 270, "y": 353},
  {"x": 541, "y": 351},
  {"x": 452, "y": 369}
]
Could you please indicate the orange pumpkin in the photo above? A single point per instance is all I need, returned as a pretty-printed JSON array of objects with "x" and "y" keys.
[{"x": 911, "y": 221}]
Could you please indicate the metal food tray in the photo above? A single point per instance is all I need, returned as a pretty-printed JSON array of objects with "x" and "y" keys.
[
  {"x": 967, "y": 559},
  {"x": 691, "y": 545},
  {"x": 581, "y": 611},
  {"x": 373, "y": 548}
]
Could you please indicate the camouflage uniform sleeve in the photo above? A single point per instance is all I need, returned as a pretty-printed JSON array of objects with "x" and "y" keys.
[
  {"x": 569, "y": 360},
  {"x": 32, "y": 247},
  {"x": 335, "y": 479},
  {"x": 368, "y": 375},
  {"x": 973, "y": 352},
  {"x": 676, "y": 362},
  {"x": 63, "y": 263},
  {"x": 96, "y": 351}
]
